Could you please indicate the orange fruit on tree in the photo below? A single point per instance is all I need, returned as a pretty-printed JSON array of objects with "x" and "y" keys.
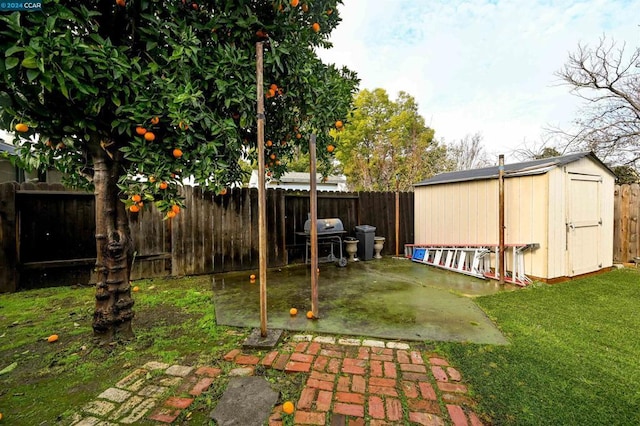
[
  {"x": 52, "y": 338},
  {"x": 149, "y": 136},
  {"x": 177, "y": 153},
  {"x": 310, "y": 314},
  {"x": 152, "y": 179},
  {"x": 21, "y": 127},
  {"x": 295, "y": 3},
  {"x": 175, "y": 208},
  {"x": 136, "y": 198},
  {"x": 315, "y": 27},
  {"x": 329, "y": 11},
  {"x": 183, "y": 125},
  {"x": 223, "y": 191},
  {"x": 339, "y": 124},
  {"x": 274, "y": 87},
  {"x": 331, "y": 148},
  {"x": 163, "y": 185},
  {"x": 121, "y": 3},
  {"x": 155, "y": 120},
  {"x": 171, "y": 214},
  {"x": 269, "y": 143},
  {"x": 141, "y": 130},
  {"x": 272, "y": 156},
  {"x": 288, "y": 407},
  {"x": 298, "y": 136},
  {"x": 293, "y": 312},
  {"x": 305, "y": 7},
  {"x": 134, "y": 209},
  {"x": 271, "y": 93}
]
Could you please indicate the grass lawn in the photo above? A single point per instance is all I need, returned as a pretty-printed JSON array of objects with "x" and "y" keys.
[
  {"x": 574, "y": 357},
  {"x": 43, "y": 383}
]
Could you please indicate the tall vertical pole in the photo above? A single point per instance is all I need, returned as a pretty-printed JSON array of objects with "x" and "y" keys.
[
  {"x": 262, "y": 199},
  {"x": 313, "y": 211},
  {"x": 397, "y": 217},
  {"x": 501, "y": 218}
]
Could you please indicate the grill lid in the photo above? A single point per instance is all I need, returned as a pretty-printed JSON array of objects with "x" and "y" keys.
[{"x": 325, "y": 226}]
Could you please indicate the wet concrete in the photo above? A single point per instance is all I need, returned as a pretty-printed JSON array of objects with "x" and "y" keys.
[{"x": 387, "y": 298}]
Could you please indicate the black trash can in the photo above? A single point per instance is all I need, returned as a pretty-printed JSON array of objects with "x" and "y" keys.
[{"x": 365, "y": 235}]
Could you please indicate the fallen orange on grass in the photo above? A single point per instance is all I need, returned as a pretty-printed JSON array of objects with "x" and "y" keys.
[
  {"x": 252, "y": 277},
  {"x": 293, "y": 312},
  {"x": 52, "y": 338},
  {"x": 288, "y": 407},
  {"x": 136, "y": 289},
  {"x": 310, "y": 314}
]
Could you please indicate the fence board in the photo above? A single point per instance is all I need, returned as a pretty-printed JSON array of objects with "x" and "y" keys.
[
  {"x": 634, "y": 204},
  {"x": 9, "y": 276}
]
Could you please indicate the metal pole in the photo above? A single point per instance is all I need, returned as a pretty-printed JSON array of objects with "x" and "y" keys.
[
  {"x": 502, "y": 268},
  {"x": 262, "y": 200},
  {"x": 313, "y": 210}
]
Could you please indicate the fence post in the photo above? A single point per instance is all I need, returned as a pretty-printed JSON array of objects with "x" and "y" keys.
[{"x": 8, "y": 236}]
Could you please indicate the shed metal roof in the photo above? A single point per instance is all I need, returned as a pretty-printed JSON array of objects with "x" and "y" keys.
[
  {"x": 526, "y": 168},
  {"x": 5, "y": 147}
]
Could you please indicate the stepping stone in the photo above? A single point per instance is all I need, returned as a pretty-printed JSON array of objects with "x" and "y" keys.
[
  {"x": 247, "y": 401},
  {"x": 257, "y": 341}
]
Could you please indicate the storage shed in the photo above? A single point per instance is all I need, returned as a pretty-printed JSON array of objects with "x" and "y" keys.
[{"x": 562, "y": 206}]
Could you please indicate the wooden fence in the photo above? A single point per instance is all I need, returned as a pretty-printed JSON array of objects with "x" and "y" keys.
[
  {"x": 626, "y": 244},
  {"x": 47, "y": 232}
]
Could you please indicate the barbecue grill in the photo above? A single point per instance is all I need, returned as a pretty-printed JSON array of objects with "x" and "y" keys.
[{"x": 330, "y": 232}]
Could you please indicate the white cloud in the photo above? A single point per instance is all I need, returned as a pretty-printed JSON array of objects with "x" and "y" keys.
[{"x": 478, "y": 65}]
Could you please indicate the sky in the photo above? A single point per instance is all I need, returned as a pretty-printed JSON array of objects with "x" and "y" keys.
[{"x": 478, "y": 66}]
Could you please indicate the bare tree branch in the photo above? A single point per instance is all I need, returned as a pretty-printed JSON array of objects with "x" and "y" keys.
[{"x": 609, "y": 123}]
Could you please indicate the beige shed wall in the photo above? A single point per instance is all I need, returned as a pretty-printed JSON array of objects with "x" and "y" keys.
[
  {"x": 535, "y": 212},
  {"x": 456, "y": 213}
]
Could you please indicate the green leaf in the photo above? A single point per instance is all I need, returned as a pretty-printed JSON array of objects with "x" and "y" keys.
[
  {"x": 29, "y": 62},
  {"x": 9, "y": 368},
  {"x": 14, "y": 49},
  {"x": 5, "y": 100},
  {"x": 63, "y": 86},
  {"x": 11, "y": 63},
  {"x": 32, "y": 74}
]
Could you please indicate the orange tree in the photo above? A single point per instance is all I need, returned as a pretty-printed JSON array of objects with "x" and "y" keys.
[{"x": 127, "y": 97}]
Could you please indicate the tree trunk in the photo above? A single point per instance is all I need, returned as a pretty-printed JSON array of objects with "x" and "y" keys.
[{"x": 113, "y": 313}]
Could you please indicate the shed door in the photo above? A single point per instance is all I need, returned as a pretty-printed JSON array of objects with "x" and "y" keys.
[{"x": 584, "y": 224}]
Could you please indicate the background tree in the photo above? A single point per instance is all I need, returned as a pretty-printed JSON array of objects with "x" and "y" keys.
[
  {"x": 385, "y": 140},
  {"x": 607, "y": 78},
  {"x": 468, "y": 153},
  {"x": 127, "y": 97},
  {"x": 626, "y": 174}
]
